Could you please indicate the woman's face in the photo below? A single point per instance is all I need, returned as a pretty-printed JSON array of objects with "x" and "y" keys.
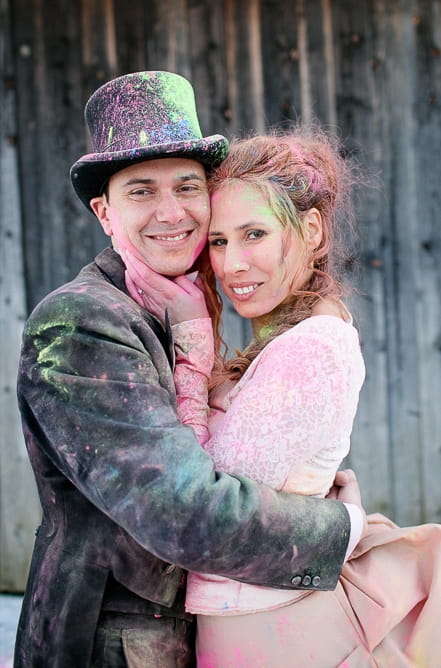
[{"x": 257, "y": 261}]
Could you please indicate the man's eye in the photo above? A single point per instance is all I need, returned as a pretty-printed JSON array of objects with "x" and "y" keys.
[
  {"x": 140, "y": 192},
  {"x": 190, "y": 188}
]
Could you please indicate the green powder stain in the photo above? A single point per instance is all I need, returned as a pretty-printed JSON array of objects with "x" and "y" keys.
[
  {"x": 179, "y": 91},
  {"x": 143, "y": 138},
  {"x": 110, "y": 135},
  {"x": 266, "y": 331}
]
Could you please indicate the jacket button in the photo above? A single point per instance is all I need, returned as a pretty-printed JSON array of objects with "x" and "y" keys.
[
  {"x": 170, "y": 568},
  {"x": 306, "y": 580},
  {"x": 296, "y": 580},
  {"x": 316, "y": 580}
]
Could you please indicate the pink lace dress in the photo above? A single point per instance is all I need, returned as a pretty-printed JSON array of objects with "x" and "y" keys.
[{"x": 287, "y": 423}]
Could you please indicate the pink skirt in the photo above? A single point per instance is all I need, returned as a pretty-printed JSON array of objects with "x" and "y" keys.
[{"x": 385, "y": 612}]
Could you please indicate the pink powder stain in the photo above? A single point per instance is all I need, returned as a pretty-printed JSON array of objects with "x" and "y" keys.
[{"x": 204, "y": 661}]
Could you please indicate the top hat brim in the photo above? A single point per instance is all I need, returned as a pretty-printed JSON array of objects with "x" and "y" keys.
[{"x": 90, "y": 173}]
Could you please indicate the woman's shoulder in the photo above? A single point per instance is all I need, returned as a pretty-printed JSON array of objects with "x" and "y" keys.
[
  {"x": 330, "y": 328},
  {"x": 332, "y": 306},
  {"x": 317, "y": 337},
  {"x": 323, "y": 333}
]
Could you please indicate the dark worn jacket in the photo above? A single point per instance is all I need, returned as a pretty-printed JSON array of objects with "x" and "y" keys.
[{"x": 126, "y": 490}]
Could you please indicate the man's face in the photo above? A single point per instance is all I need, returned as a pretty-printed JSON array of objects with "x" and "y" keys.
[{"x": 161, "y": 208}]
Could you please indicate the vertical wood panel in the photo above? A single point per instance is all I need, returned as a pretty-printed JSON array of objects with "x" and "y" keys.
[
  {"x": 427, "y": 149},
  {"x": 330, "y": 116},
  {"x": 256, "y": 70},
  {"x": 280, "y": 54},
  {"x": 305, "y": 78},
  {"x": 19, "y": 509},
  {"x": 401, "y": 270},
  {"x": 360, "y": 91},
  {"x": 208, "y": 65}
]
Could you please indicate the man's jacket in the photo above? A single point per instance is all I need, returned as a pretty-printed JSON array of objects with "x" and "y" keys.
[{"x": 127, "y": 493}]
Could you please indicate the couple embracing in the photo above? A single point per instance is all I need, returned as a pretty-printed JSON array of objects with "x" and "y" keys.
[{"x": 175, "y": 484}]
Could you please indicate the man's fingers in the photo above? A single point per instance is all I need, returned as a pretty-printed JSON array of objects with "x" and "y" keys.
[{"x": 133, "y": 290}]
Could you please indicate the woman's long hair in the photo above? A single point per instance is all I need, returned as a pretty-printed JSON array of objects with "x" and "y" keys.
[{"x": 294, "y": 172}]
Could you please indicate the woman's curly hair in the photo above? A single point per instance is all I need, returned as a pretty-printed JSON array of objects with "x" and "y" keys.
[{"x": 294, "y": 172}]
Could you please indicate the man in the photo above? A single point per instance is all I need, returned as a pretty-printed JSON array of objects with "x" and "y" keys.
[{"x": 129, "y": 498}]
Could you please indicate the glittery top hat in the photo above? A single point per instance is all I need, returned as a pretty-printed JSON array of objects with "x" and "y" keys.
[{"x": 138, "y": 117}]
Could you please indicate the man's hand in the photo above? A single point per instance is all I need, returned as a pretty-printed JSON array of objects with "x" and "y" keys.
[{"x": 183, "y": 298}]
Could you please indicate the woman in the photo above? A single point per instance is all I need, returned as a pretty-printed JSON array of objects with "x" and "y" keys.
[{"x": 282, "y": 412}]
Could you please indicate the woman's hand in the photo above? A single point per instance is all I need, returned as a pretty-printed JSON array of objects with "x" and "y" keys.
[
  {"x": 181, "y": 296},
  {"x": 346, "y": 489}
]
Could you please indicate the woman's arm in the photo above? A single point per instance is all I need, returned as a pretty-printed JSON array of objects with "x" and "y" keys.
[{"x": 193, "y": 341}]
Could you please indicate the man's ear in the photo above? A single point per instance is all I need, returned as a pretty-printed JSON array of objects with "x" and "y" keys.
[
  {"x": 313, "y": 226},
  {"x": 100, "y": 207}
]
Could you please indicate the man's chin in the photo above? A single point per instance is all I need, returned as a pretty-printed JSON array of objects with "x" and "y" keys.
[
  {"x": 170, "y": 270},
  {"x": 171, "y": 266}
]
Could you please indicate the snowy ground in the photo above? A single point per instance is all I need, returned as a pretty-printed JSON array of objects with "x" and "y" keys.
[{"x": 9, "y": 612}]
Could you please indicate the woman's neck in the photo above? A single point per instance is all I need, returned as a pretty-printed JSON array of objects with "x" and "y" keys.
[{"x": 263, "y": 325}]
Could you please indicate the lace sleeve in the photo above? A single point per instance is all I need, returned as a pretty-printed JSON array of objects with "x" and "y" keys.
[
  {"x": 296, "y": 400},
  {"x": 193, "y": 341}
]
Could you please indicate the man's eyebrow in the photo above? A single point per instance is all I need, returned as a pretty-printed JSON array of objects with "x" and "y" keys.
[
  {"x": 148, "y": 182},
  {"x": 145, "y": 182},
  {"x": 191, "y": 177}
]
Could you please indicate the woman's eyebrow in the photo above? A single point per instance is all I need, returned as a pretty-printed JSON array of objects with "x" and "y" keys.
[{"x": 244, "y": 226}]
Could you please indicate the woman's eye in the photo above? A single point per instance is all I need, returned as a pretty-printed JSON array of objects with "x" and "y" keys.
[
  {"x": 255, "y": 234},
  {"x": 217, "y": 242}
]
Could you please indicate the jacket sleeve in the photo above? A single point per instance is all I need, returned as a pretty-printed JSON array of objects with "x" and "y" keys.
[{"x": 95, "y": 383}]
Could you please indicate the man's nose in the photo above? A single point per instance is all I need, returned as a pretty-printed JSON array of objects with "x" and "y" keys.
[{"x": 169, "y": 209}]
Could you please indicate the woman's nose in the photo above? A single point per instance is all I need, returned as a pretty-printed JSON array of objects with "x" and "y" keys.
[{"x": 235, "y": 261}]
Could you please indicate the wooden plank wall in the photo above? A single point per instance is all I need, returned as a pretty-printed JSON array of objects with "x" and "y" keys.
[
  {"x": 19, "y": 509},
  {"x": 371, "y": 69}
]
